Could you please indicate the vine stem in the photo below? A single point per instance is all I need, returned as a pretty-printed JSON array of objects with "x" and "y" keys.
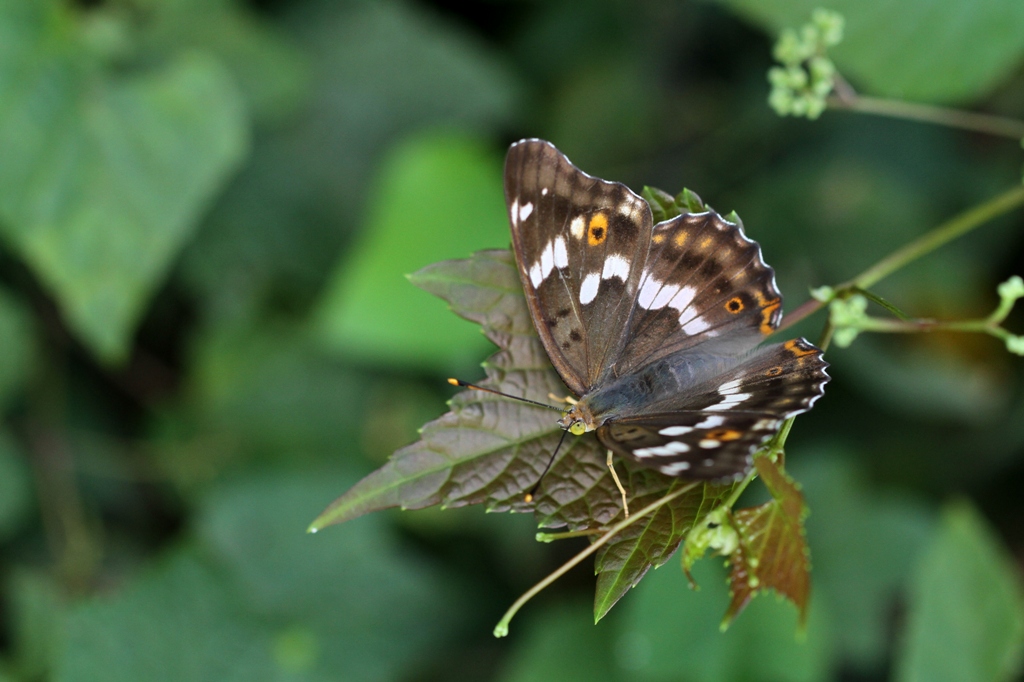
[
  {"x": 953, "y": 228},
  {"x": 501, "y": 629},
  {"x": 953, "y": 118}
]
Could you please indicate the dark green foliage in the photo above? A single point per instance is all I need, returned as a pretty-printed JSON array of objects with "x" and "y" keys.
[{"x": 208, "y": 213}]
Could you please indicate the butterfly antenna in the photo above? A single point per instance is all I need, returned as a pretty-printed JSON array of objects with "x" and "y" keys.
[
  {"x": 528, "y": 498},
  {"x": 462, "y": 384}
]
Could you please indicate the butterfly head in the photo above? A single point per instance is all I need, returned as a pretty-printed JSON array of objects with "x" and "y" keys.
[{"x": 577, "y": 420}]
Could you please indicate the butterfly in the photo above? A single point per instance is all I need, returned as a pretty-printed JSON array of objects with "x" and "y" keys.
[{"x": 656, "y": 328}]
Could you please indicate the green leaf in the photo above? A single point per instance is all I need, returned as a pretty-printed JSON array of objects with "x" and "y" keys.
[
  {"x": 670, "y": 632},
  {"x": 922, "y": 50},
  {"x": 270, "y": 71},
  {"x": 772, "y": 553},
  {"x": 16, "y": 338},
  {"x": 383, "y": 70},
  {"x": 865, "y": 542},
  {"x": 15, "y": 488},
  {"x": 966, "y": 611},
  {"x": 105, "y": 171},
  {"x": 176, "y": 622},
  {"x": 275, "y": 391},
  {"x": 650, "y": 542},
  {"x": 331, "y": 596},
  {"x": 490, "y": 450},
  {"x": 439, "y": 195},
  {"x": 36, "y": 619},
  {"x": 663, "y": 205}
]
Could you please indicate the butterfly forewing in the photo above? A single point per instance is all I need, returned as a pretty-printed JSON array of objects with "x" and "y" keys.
[
  {"x": 712, "y": 431},
  {"x": 581, "y": 244},
  {"x": 704, "y": 281}
]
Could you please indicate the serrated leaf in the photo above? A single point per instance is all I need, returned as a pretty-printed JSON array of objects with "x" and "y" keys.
[
  {"x": 105, "y": 170},
  {"x": 487, "y": 449},
  {"x": 772, "y": 553},
  {"x": 490, "y": 450},
  {"x": 650, "y": 542}
]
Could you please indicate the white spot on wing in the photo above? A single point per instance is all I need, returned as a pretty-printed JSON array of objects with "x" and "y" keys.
[
  {"x": 561, "y": 256},
  {"x": 578, "y": 227},
  {"x": 730, "y": 401},
  {"x": 710, "y": 422},
  {"x": 525, "y": 210},
  {"x": 683, "y": 299},
  {"x": 708, "y": 443},
  {"x": 765, "y": 424},
  {"x": 695, "y": 326},
  {"x": 547, "y": 260},
  {"x": 729, "y": 387},
  {"x": 649, "y": 288},
  {"x": 544, "y": 191},
  {"x": 588, "y": 290},
  {"x": 675, "y": 468},
  {"x": 535, "y": 275},
  {"x": 664, "y": 296},
  {"x": 666, "y": 450},
  {"x": 514, "y": 211},
  {"x": 675, "y": 430},
  {"x": 615, "y": 266}
]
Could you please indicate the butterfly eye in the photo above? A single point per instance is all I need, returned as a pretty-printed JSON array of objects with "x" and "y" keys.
[{"x": 577, "y": 428}]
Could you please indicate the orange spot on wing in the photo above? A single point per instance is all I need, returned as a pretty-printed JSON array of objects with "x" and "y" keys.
[
  {"x": 767, "y": 312},
  {"x": 705, "y": 243},
  {"x": 734, "y": 305},
  {"x": 597, "y": 232},
  {"x": 658, "y": 238},
  {"x": 681, "y": 238},
  {"x": 723, "y": 434},
  {"x": 773, "y": 371},
  {"x": 798, "y": 349}
]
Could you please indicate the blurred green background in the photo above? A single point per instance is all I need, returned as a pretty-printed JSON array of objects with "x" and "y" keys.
[{"x": 206, "y": 211}]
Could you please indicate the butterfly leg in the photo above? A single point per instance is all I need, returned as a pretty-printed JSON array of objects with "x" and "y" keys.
[{"x": 618, "y": 483}]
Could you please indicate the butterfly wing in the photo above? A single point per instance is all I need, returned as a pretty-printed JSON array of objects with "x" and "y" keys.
[
  {"x": 704, "y": 282},
  {"x": 581, "y": 244},
  {"x": 712, "y": 432}
]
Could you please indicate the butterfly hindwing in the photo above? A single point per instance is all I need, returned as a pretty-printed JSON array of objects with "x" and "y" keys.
[
  {"x": 712, "y": 432},
  {"x": 581, "y": 244},
  {"x": 704, "y": 282}
]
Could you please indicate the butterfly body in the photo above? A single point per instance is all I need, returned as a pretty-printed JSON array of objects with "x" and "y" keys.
[{"x": 656, "y": 327}]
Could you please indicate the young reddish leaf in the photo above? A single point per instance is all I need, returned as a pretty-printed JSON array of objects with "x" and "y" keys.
[{"x": 772, "y": 551}]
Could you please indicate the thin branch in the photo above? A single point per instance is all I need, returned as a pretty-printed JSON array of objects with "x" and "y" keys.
[
  {"x": 953, "y": 228},
  {"x": 953, "y": 118}
]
